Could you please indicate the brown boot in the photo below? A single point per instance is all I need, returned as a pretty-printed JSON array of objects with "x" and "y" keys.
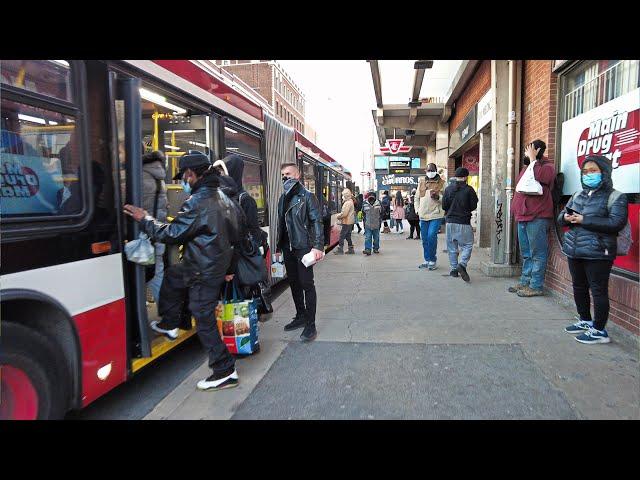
[
  {"x": 516, "y": 288},
  {"x": 530, "y": 292},
  {"x": 350, "y": 251}
]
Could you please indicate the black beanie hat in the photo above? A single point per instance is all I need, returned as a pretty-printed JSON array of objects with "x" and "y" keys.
[{"x": 462, "y": 172}]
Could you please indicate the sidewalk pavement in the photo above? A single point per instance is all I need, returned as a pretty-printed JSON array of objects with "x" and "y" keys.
[{"x": 395, "y": 342}]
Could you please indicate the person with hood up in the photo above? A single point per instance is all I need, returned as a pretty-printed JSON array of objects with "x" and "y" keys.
[
  {"x": 458, "y": 201},
  {"x": 371, "y": 210},
  {"x": 209, "y": 228},
  {"x": 358, "y": 208},
  {"x": 385, "y": 204},
  {"x": 428, "y": 205},
  {"x": 398, "y": 212},
  {"x": 595, "y": 215},
  {"x": 154, "y": 200},
  {"x": 412, "y": 217},
  {"x": 347, "y": 218},
  {"x": 235, "y": 168}
]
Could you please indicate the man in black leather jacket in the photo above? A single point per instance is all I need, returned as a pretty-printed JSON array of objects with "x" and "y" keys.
[
  {"x": 208, "y": 226},
  {"x": 300, "y": 231}
]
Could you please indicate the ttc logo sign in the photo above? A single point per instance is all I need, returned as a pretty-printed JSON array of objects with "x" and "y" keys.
[{"x": 395, "y": 146}]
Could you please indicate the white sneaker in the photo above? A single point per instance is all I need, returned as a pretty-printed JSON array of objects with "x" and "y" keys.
[
  {"x": 170, "y": 334},
  {"x": 213, "y": 383}
]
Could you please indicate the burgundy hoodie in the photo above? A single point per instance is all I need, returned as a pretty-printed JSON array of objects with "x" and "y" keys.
[{"x": 529, "y": 207}]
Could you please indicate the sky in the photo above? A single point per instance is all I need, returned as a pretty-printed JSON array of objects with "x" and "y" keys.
[{"x": 339, "y": 99}]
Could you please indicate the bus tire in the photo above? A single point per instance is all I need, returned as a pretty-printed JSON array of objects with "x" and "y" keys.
[{"x": 30, "y": 382}]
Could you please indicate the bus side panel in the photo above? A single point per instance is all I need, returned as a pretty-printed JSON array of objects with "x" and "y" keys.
[{"x": 102, "y": 333}]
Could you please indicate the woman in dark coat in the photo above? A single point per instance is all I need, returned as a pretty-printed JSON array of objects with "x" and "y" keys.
[{"x": 594, "y": 216}]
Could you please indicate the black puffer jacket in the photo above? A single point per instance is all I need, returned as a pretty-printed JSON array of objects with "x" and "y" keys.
[
  {"x": 208, "y": 225},
  {"x": 596, "y": 237},
  {"x": 302, "y": 219},
  {"x": 235, "y": 167}
]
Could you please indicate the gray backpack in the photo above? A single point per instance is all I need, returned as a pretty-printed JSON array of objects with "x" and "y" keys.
[{"x": 624, "y": 236}]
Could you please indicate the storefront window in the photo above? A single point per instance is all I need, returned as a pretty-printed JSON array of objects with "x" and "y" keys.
[{"x": 602, "y": 117}]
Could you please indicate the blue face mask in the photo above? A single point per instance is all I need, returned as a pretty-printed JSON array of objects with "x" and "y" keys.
[
  {"x": 186, "y": 187},
  {"x": 592, "y": 180}
]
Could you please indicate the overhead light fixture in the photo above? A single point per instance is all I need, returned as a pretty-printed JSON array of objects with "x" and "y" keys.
[
  {"x": 198, "y": 144},
  {"x": 29, "y": 118},
  {"x": 51, "y": 122},
  {"x": 160, "y": 100},
  {"x": 232, "y": 148},
  {"x": 172, "y": 147},
  {"x": 230, "y": 130},
  {"x": 180, "y": 131},
  {"x": 423, "y": 64},
  {"x": 64, "y": 63}
]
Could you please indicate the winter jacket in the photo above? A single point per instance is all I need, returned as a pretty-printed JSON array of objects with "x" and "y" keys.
[
  {"x": 299, "y": 220},
  {"x": 372, "y": 214},
  {"x": 385, "y": 205},
  {"x": 427, "y": 207},
  {"x": 398, "y": 211},
  {"x": 151, "y": 172},
  {"x": 208, "y": 225},
  {"x": 529, "y": 207},
  {"x": 235, "y": 167},
  {"x": 458, "y": 201},
  {"x": 410, "y": 210},
  {"x": 596, "y": 237},
  {"x": 347, "y": 215}
]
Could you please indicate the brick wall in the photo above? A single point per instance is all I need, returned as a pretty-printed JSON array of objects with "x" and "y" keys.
[
  {"x": 479, "y": 84},
  {"x": 539, "y": 108},
  {"x": 256, "y": 75}
]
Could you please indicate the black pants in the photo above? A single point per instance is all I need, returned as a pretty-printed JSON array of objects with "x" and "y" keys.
[
  {"x": 414, "y": 225},
  {"x": 202, "y": 300},
  {"x": 345, "y": 233},
  {"x": 303, "y": 290},
  {"x": 591, "y": 275},
  {"x": 357, "y": 224}
]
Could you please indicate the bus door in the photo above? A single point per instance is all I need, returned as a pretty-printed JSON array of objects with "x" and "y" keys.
[{"x": 126, "y": 114}]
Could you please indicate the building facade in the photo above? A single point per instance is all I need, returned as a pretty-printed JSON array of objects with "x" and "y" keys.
[{"x": 269, "y": 79}]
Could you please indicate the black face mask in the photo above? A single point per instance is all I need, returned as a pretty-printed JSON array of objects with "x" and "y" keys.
[{"x": 371, "y": 200}]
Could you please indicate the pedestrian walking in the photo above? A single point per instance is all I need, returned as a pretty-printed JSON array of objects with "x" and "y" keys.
[
  {"x": 458, "y": 201},
  {"x": 154, "y": 200},
  {"x": 534, "y": 214},
  {"x": 398, "y": 211},
  {"x": 428, "y": 205},
  {"x": 358, "y": 209},
  {"x": 300, "y": 231},
  {"x": 595, "y": 215},
  {"x": 209, "y": 228},
  {"x": 372, "y": 211},
  {"x": 346, "y": 218},
  {"x": 412, "y": 217},
  {"x": 385, "y": 203}
]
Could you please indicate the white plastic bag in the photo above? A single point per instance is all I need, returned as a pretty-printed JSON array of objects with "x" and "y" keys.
[
  {"x": 528, "y": 183},
  {"x": 141, "y": 250},
  {"x": 310, "y": 259}
]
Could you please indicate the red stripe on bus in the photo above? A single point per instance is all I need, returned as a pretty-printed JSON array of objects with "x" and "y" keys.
[
  {"x": 103, "y": 341},
  {"x": 199, "y": 77}
]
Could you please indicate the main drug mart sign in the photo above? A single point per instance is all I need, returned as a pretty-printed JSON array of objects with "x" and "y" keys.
[{"x": 612, "y": 130}]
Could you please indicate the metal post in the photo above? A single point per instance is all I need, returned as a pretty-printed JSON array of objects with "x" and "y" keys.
[{"x": 511, "y": 144}]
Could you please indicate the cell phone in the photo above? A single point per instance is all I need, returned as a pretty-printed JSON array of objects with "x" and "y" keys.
[{"x": 571, "y": 211}]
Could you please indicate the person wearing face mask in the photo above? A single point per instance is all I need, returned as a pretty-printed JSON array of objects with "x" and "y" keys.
[
  {"x": 209, "y": 225},
  {"x": 534, "y": 214},
  {"x": 371, "y": 210},
  {"x": 300, "y": 231},
  {"x": 347, "y": 218},
  {"x": 595, "y": 215},
  {"x": 428, "y": 205}
]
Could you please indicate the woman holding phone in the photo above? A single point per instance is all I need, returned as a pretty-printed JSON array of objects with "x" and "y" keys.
[{"x": 591, "y": 246}]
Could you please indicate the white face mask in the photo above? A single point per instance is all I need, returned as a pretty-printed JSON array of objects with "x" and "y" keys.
[{"x": 431, "y": 174}]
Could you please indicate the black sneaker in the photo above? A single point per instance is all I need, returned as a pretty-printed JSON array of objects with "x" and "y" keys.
[
  {"x": 366, "y": 252},
  {"x": 463, "y": 272},
  {"x": 309, "y": 333},
  {"x": 376, "y": 251},
  {"x": 298, "y": 322},
  {"x": 220, "y": 381},
  {"x": 454, "y": 273}
]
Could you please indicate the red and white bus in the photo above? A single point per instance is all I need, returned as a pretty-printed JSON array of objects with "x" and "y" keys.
[{"x": 75, "y": 319}]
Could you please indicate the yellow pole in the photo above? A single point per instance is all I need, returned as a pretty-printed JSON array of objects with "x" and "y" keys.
[{"x": 154, "y": 142}]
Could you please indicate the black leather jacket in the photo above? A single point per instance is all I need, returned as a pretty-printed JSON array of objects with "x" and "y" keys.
[
  {"x": 208, "y": 225},
  {"x": 596, "y": 237},
  {"x": 302, "y": 218}
]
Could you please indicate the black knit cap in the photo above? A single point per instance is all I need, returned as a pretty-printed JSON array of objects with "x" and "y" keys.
[
  {"x": 462, "y": 172},
  {"x": 193, "y": 159}
]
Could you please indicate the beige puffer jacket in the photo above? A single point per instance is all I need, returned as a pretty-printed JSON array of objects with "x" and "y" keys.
[
  {"x": 426, "y": 207},
  {"x": 347, "y": 215}
]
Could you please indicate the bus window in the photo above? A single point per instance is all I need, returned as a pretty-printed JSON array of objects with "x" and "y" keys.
[
  {"x": 253, "y": 184},
  {"x": 173, "y": 128},
  {"x": 237, "y": 141},
  {"x": 333, "y": 194},
  {"x": 309, "y": 177},
  {"x": 45, "y": 77},
  {"x": 40, "y": 164}
]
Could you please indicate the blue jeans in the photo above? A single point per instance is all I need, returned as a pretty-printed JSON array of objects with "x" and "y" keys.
[
  {"x": 534, "y": 246},
  {"x": 155, "y": 283},
  {"x": 429, "y": 234},
  {"x": 371, "y": 232},
  {"x": 459, "y": 238}
]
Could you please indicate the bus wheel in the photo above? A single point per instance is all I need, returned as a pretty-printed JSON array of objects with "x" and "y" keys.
[{"x": 27, "y": 376}]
